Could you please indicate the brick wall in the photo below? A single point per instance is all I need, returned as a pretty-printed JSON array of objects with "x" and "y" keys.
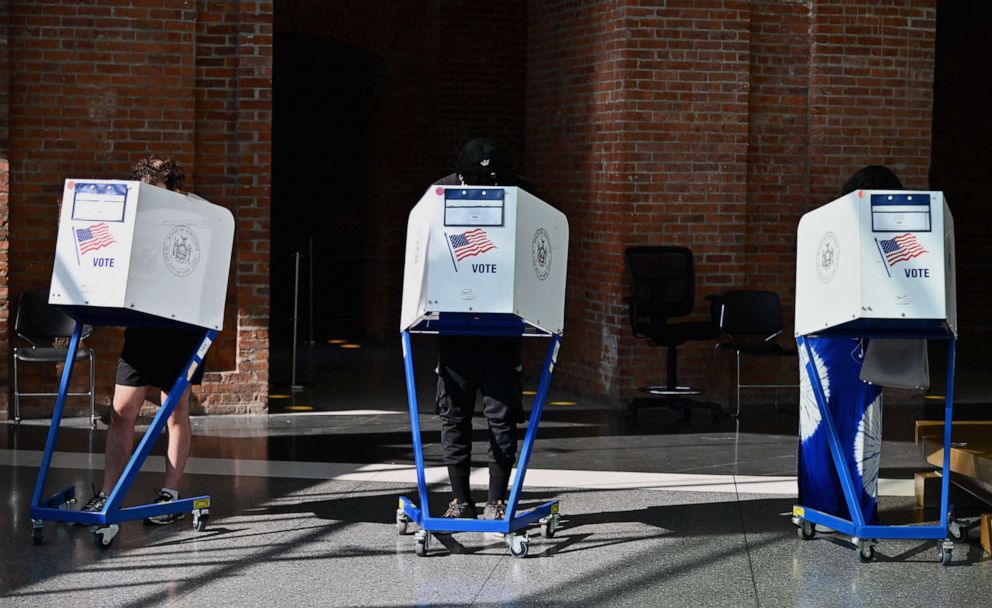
[
  {"x": 4, "y": 292},
  {"x": 711, "y": 124},
  {"x": 637, "y": 129},
  {"x": 94, "y": 87}
]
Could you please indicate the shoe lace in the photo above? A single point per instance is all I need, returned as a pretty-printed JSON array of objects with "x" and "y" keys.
[
  {"x": 500, "y": 509},
  {"x": 454, "y": 508},
  {"x": 96, "y": 503}
]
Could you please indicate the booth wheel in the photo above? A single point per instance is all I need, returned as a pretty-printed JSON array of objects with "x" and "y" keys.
[
  {"x": 200, "y": 518},
  {"x": 402, "y": 521},
  {"x": 423, "y": 538},
  {"x": 944, "y": 551},
  {"x": 37, "y": 531},
  {"x": 104, "y": 536},
  {"x": 806, "y": 530},
  {"x": 957, "y": 530},
  {"x": 866, "y": 553},
  {"x": 549, "y": 525},
  {"x": 518, "y": 544}
]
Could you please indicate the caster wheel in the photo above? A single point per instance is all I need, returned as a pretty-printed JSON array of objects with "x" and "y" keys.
[
  {"x": 402, "y": 522},
  {"x": 866, "y": 553},
  {"x": 423, "y": 543},
  {"x": 37, "y": 534},
  {"x": 104, "y": 537},
  {"x": 549, "y": 526},
  {"x": 957, "y": 531},
  {"x": 518, "y": 545},
  {"x": 200, "y": 520},
  {"x": 944, "y": 556},
  {"x": 806, "y": 530}
]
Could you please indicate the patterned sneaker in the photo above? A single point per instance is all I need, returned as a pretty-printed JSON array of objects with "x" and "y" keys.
[
  {"x": 93, "y": 505},
  {"x": 167, "y": 518},
  {"x": 495, "y": 510},
  {"x": 460, "y": 510}
]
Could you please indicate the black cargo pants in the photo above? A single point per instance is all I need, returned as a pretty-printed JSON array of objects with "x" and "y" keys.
[{"x": 466, "y": 365}]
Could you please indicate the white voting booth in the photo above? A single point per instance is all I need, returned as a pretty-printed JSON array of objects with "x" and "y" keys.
[
  {"x": 139, "y": 248},
  {"x": 477, "y": 250},
  {"x": 878, "y": 265},
  {"x": 135, "y": 255},
  {"x": 874, "y": 259},
  {"x": 489, "y": 262}
]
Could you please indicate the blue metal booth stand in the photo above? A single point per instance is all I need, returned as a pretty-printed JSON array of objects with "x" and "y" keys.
[
  {"x": 107, "y": 521},
  {"x": 864, "y": 536},
  {"x": 546, "y": 515},
  {"x": 872, "y": 264}
]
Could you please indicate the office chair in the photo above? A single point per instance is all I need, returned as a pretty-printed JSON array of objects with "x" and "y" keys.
[
  {"x": 662, "y": 284},
  {"x": 752, "y": 320},
  {"x": 41, "y": 324}
]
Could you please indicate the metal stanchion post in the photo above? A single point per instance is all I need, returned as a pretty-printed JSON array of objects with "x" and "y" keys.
[
  {"x": 294, "y": 387},
  {"x": 310, "y": 291}
]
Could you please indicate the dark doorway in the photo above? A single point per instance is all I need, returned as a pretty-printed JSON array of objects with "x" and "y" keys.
[{"x": 322, "y": 94}]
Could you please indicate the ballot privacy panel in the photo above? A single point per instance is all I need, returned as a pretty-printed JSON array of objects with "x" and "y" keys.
[
  {"x": 126, "y": 246},
  {"x": 135, "y": 255},
  {"x": 483, "y": 261},
  {"x": 872, "y": 267}
]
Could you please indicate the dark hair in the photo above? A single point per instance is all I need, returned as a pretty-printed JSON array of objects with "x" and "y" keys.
[
  {"x": 872, "y": 177},
  {"x": 157, "y": 169},
  {"x": 480, "y": 163}
]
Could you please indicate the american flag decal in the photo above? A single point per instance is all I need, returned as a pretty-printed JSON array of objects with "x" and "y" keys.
[
  {"x": 470, "y": 243},
  {"x": 901, "y": 248},
  {"x": 94, "y": 237}
]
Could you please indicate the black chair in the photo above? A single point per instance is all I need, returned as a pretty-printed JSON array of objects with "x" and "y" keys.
[
  {"x": 752, "y": 319},
  {"x": 663, "y": 284},
  {"x": 43, "y": 324}
]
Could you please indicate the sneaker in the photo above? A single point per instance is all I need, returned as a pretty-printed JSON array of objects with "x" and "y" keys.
[
  {"x": 167, "y": 518},
  {"x": 460, "y": 510},
  {"x": 494, "y": 510},
  {"x": 93, "y": 505}
]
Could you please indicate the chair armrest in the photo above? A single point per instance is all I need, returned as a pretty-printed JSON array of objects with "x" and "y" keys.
[
  {"x": 716, "y": 310},
  {"x": 632, "y": 305}
]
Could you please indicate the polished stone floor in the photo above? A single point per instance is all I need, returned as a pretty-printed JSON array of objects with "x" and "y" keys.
[{"x": 660, "y": 512}]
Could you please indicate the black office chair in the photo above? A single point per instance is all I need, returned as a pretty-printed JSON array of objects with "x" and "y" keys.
[
  {"x": 663, "y": 284},
  {"x": 752, "y": 320},
  {"x": 42, "y": 324}
]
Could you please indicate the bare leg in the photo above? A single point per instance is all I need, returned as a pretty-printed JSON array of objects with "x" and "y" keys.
[
  {"x": 120, "y": 435},
  {"x": 179, "y": 440}
]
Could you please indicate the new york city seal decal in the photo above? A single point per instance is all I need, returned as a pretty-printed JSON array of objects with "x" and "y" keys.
[
  {"x": 541, "y": 253},
  {"x": 181, "y": 251}
]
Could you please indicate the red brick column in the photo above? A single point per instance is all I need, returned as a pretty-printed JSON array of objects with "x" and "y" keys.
[
  {"x": 186, "y": 80},
  {"x": 4, "y": 292},
  {"x": 233, "y": 125},
  {"x": 637, "y": 128}
]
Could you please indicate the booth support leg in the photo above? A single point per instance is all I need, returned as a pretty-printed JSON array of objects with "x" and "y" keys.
[
  {"x": 418, "y": 453},
  {"x": 53, "y": 430},
  {"x": 532, "y": 425}
]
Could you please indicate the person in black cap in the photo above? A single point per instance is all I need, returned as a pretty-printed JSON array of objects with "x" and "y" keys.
[{"x": 468, "y": 364}]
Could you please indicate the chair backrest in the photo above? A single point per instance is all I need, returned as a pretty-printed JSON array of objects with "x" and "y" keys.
[
  {"x": 38, "y": 320},
  {"x": 750, "y": 312},
  {"x": 662, "y": 280}
]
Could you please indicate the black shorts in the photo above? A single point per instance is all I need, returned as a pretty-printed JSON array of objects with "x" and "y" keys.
[{"x": 156, "y": 357}]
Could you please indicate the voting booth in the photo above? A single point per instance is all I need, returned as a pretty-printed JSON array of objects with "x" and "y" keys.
[
  {"x": 141, "y": 252},
  {"x": 873, "y": 261},
  {"x": 135, "y": 255},
  {"x": 484, "y": 261},
  {"x": 877, "y": 265}
]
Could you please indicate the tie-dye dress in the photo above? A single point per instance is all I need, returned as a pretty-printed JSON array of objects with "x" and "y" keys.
[{"x": 856, "y": 409}]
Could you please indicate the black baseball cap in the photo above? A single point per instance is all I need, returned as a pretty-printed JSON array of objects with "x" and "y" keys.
[{"x": 480, "y": 162}]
